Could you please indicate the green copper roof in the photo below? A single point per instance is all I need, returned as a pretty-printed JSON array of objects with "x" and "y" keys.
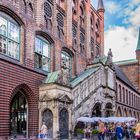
[
  {"x": 126, "y": 61},
  {"x": 100, "y": 59},
  {"x": 83, "y": 75},
  {"x": 52, "y": 77},
  {"x": 138, "y": 45}
]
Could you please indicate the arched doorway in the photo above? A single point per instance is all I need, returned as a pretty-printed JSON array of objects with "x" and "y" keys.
[
  {"x": 97, "y": 110},
  {"x": 64, "y": 124},
  {"x": 109, "y": 111},
  {"x": 18, "y": 115},
  {"x": 125, "y": 113},
  {"x": 48, "y": 119},
  {"x": 130, "y": 113},
  {"x": 119, "y": 112}
]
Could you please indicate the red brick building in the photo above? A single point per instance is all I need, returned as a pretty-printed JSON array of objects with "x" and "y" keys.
[
  {"x": 34, "y": 37},
  {"x": 128, "y": 90},
  {"x": 39, "y": 41}
]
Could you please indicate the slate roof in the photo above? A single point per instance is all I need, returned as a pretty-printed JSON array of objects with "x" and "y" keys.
[{"x": 83, "y": 76}]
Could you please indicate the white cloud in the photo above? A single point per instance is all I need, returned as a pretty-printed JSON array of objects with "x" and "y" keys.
[
  {"x": 134, "y": 18},
  {"x": 112, "y": 7},
  {"x": 122, "y": 41}
]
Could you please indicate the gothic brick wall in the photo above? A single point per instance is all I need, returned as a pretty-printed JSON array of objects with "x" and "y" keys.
[
  {"x": 17, "y": 77},
  {"x": 33, "y": 21},
  {"x": 132, "y": 72}
]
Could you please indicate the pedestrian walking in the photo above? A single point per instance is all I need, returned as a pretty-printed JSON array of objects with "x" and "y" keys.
[
  {"x": 137, "y": 131},
  {"x": 43, "y": 132},
  {"x": 119, "y": 132},
  {"x": 101, "y": 128}
]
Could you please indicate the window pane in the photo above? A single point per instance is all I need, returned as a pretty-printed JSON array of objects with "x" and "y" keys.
[
  {"x": 45, "y": 49},
  {"x": 45, "y": 63},
  {"x": 38, "y": 46},
  {"x": 3, "y": 26},
  {"x": 13, "y": 49},
  {"x": 13, "y": 32},
  {"x": 3, "y": 45},
  {"x": 38, "y": 61}
]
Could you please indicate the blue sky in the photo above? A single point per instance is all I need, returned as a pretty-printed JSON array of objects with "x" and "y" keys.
[{"x": 122, "y": 21}]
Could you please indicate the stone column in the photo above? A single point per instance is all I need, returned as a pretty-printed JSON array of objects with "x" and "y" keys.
[{"x": 55, "y": 122}]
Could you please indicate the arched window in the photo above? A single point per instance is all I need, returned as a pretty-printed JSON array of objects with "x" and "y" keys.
[
  {"x": 42, "y": 53},
  {"x": 120, "y": 94},
  {"x": 66, "y": 63},
  {"x": 127, "y": 96},
  {"x": 9, "y": 36},
  {"x": 48, "y": 14},
  {"x": 82, "y": 16},
  {"x": 123, "y": 95},
  {"x": 98, "y": 39},
  {"x": 64, "y": 123},
  {"x": 18, "y": 115},
  {"x": 47, "y": 117}
]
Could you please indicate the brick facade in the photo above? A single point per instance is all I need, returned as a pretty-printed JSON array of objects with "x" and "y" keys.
[{"x": 22, "y": 75}]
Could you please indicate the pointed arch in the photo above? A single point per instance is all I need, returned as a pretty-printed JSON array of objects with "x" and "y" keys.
[{"x": 119, "y": 112}]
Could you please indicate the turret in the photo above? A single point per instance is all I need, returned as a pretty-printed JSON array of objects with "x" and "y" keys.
[{"x": 100, "y": 5}]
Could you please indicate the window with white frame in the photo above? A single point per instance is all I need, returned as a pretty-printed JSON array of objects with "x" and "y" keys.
[
  {"x": 42, "y": 54},
  {"x": 9, "y": 37}
]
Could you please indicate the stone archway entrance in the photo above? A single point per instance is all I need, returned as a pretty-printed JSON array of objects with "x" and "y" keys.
[
  {"x": 64, "y": 124},
  {"x": 48, "y": 119},
  {"x": 18, "y": 115},
  {"x": 97, "y": 110}
]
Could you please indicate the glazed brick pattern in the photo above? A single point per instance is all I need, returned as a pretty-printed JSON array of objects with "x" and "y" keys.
[{"x": 11, "y": 76}]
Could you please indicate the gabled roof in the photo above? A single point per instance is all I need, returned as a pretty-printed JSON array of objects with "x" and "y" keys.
[{"x": 83, "y": 76}]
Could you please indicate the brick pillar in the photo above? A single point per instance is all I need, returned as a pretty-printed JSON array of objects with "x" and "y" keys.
[
  {"x": 69, "y": 22},
  {"x": 87, "y": 30},
  {"x": 101, "y": 13}
]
